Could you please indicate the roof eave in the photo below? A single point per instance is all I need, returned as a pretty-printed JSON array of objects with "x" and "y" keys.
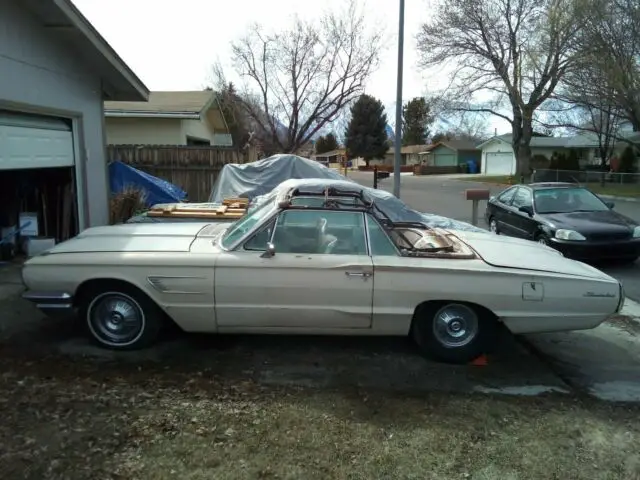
[
  {"x": 139, "y": 114},
  {"x": 100, "y": 44}
]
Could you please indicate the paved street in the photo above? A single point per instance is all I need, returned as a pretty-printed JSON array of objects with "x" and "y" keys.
[{"x": 432, "y": 194}]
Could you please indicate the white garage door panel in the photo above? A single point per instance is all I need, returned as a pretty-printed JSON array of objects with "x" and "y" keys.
[
  {"x": 25, "y": 147},
  {"x": 499, "y": 163}
]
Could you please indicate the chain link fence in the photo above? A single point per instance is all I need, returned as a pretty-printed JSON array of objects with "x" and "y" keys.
[{"x": 623, "y": 184}]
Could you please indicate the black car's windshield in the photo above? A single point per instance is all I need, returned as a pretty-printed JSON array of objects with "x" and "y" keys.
[{"x": 567, "y": 200}]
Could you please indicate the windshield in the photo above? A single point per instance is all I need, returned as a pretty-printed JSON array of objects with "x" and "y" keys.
[
  {"x": 566, "y": 200},
  {"x": 250, "y": 220}
]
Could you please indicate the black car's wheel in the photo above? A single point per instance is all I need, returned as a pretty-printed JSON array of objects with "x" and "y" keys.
[
  {"x": 453, "y": 332},
  {"x": 120, "y": 317},
  {"x": 493, "y": 226}
]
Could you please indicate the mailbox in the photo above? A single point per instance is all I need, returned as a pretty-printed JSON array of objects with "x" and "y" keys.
[{"x": 477, "y": 194}]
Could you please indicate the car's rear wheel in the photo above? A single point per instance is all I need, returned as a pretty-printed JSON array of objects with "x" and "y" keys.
[
  {"x": 493, "y": 226},
  {"x": 120, "y": 317},
  {"x": 453, "y": 332}
]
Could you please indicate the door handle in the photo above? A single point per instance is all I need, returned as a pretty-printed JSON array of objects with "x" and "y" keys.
[{"x": 358, "y": 274}]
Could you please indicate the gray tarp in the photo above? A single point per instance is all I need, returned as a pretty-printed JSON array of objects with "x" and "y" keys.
[
  {"x": 250, "y": 180},
  {"x": 256, "y": 179}
]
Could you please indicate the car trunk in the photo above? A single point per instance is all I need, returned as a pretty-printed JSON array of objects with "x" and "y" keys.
[{"x": 506, "y": 252}]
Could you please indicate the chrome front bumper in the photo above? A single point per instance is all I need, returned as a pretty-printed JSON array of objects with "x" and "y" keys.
[{"x": 51, "y": 303}]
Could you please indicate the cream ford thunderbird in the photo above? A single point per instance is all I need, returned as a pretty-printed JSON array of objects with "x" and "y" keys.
[{"x": 317, "y": 257}]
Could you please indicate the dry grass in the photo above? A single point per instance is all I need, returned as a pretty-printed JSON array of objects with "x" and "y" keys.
[
  {"x": 126, "y": 204},
  {"x": 73, "y": 421}
]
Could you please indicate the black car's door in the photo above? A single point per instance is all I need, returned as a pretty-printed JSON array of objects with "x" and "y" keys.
[
  {"x": 502, "y": 209},
  {"x": 523, "y": 224}
]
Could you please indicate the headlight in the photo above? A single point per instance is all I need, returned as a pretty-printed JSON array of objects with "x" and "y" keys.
[
  {"x": 569, "y": 235},
  {"x": 636, "y": 232}
]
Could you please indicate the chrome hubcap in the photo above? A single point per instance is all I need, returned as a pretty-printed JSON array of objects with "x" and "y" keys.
[
  {"x": 455, "y": 325},
  {"x": 542, "y": 241},
  {"x": 493, "y": 226},
  {"x": 115, "y": 319}
]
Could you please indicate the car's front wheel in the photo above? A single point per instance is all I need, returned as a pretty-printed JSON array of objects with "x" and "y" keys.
[
  {"x": 453, "y": 332},
  {"x": 121, "y": 318}
]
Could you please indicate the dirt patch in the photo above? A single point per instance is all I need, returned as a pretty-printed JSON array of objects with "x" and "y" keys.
[
  {"x": 73, "y": 420},
  {"x": 628, "y": 324}
]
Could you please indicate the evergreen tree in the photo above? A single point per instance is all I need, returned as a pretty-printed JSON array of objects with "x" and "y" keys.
[
  {"x": 366, "y": 134},
  {"x": 416, "y": 120},
  {"x": 327, "y": 143}
]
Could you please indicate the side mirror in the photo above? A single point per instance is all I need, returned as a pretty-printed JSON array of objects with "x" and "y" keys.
[
  {"x": 526, "y": 209},
  {"x": 610, "y": 205},
  {"x": 269, "y": 252}
]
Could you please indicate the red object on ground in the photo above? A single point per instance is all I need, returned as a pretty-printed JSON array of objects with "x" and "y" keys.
[{"x": 481, "y": 361}]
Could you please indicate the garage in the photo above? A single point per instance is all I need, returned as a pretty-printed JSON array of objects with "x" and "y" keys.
[
  {"x": 37, "y": 182},
  {"x": 56, "y": 73},
  {"x": 499, "y": 163}
]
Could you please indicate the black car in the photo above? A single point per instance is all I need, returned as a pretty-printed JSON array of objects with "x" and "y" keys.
[{"x": 567, "y": 217}]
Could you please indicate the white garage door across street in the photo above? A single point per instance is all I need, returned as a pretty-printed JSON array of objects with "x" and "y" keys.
[{"x": 499, "y": 163}]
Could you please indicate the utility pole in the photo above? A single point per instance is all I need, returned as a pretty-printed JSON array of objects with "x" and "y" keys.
[{"x": 398, "y": 142}]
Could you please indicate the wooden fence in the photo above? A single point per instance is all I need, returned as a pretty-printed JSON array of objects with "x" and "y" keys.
[{"x": 192, "y": 168}]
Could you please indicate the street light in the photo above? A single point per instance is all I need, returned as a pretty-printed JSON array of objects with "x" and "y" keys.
[{"x": 398, "y": 132}]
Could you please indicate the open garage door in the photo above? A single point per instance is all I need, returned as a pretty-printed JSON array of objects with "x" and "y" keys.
[
  {"x": 30, "y": 141},
  {"x": 499, "y": 163}
]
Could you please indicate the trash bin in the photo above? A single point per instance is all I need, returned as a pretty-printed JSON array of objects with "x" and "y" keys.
[{"x": 472, "y": 166}]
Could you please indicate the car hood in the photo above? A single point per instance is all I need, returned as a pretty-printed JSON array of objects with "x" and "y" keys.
[
  {"x": 132, "y": 237},
  {"x": 591, "y": 222},
  {"x": 508, "y": 252}
]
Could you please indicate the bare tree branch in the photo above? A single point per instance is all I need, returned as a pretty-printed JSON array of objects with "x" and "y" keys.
[
  {"x": 515, "y": 52},
  {"x": 299, "y": 79}
]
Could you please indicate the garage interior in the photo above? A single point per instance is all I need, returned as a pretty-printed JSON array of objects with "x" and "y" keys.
[{"x": 38, "y": 201}]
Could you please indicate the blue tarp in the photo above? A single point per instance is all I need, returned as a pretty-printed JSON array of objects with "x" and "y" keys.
[{"x": 157, "y": 190}]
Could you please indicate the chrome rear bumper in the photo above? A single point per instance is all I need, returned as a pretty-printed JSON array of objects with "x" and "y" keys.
[{"x": 51, "y": 303}]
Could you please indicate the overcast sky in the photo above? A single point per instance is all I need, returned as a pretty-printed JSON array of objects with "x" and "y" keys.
[{"x": 171, "y": 45}]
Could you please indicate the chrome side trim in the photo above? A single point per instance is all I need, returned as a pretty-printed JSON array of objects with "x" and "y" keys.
[
  {"x": 156, "y": 282},
  {"x": 48, "y": 297},
  {"x": 51, "y": 303}
]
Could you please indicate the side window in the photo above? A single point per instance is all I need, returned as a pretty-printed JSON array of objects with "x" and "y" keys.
[
  {"x": 320, "y": 232},
  {"x": 522, "y": 198},
  {"x": 379, "y": 241},
  {"x": 506, "y": 196},
  {"x": 259, "y": 241}
]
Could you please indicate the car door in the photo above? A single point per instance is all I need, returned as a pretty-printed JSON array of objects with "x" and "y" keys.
[
  {"x": 523, "y": 223},
  {"x": 502, "y": 211},
  {"x": 320, "y": 277}
]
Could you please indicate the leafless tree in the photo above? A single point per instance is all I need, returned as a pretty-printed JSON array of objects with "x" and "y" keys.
[
  {"x": 299, "y": 79},
  {"x": 515, "y": 52},
  {"x": 608, "y": 76}
]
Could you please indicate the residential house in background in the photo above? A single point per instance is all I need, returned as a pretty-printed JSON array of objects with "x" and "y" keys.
[
  {"x": 334, "y": 156},
  {"x": 498, "y": 157},
  {"x": 168, "y": 118},
  {"x": 450, "y": 153}
]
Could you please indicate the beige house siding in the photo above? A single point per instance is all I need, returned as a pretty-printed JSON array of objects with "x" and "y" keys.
[
  {"x": 146, "y": 131},
  {"x": 196, "y": 129}
]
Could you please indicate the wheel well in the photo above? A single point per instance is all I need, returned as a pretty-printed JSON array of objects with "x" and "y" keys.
[
  {"x": 96, "y": 283},
  {"x": 482, "y": 310}
]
